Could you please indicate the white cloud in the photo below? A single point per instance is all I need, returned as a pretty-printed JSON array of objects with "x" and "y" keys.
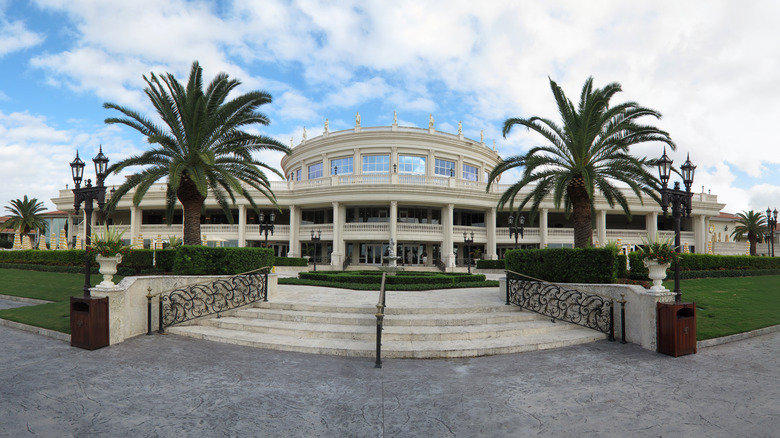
[{"x": 15, "y": 36}]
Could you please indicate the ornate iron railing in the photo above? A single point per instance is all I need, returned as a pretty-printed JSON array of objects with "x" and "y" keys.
[
  {"x": 440, "y": 264},
  {"x": 380, "y": 322},
  {"x": 559, "y": 303},
  {"x": 203, "y": 299}
]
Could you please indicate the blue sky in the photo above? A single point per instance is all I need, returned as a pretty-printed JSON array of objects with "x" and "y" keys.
[{"x": 710, "y": 67}]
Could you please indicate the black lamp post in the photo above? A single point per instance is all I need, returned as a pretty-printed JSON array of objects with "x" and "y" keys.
[
  {"x": 87, "y": 194},
  {"x": 768, "y": 244},
  {"x": 516, "y": 229},
  {"x": 315, "y": 240},
  {"x": 266, "y": 225},
  {"x": 468, "y": 243},
  {"x": 680, "y": 201},
  {"x": 771, "y": 222}
]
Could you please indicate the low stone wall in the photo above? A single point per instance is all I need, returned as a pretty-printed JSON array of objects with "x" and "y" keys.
[
  {"x": 641, "y": 316},
  {"x": 127, "y": 304}
]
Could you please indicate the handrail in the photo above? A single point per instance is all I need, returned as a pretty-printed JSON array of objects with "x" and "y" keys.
[
  {"x": 440, "y": 264},
  {"x": 585, "y": 309},
  {"x": 194, "y": 301},
  {"x": 380, "y": 316},
  {"x": 347, "y": 261}
]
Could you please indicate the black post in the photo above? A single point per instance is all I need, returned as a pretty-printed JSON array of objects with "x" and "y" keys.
[
  {"x": 771, "y": 222},
  {"x": 160, "y": 317},
  {"x": 611, "y": 336},
  {"x": 149, "y": 312},
  {"x": 676, "y": 214},
  {"x": 468, "y": 243},
  {"x": 623, "y": 319},
  {"x": 265, "y": 286},
  {"x": 315, "y": 240}
]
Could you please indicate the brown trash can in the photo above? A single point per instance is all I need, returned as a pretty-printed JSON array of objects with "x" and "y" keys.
[
  {"x": 676, "y": 328},
  {"x": 89, "y": 322}
]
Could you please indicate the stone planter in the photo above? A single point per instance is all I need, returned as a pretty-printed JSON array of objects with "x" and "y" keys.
[
  {"x": 108, "y": 268},
  {"x": 657, "y": 274}
]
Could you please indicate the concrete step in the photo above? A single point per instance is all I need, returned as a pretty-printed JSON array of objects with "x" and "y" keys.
[
  {"x": 525, "y": 324},
  {"x": 390, "y": 348}
]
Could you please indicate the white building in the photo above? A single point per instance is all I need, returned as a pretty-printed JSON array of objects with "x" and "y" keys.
[{"x": 423, "y": 189}]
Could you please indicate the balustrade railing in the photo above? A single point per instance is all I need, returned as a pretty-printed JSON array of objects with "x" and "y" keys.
[
  {"x": 559, "y": 303},
  {"x": 214, "y": 297}
]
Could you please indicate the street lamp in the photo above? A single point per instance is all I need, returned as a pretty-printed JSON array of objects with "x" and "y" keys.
[
  {"x": 771, "y": 222},
  {"x": 680, "y": 201},
  {"x": 516, "y": 229},
  {"x": 766, "y": 237},
  {"x": 315, "y": 240},
  {"x": 267, "y": 225},
  {"x": 468, "y": 243},
  {"x": 87, "y": 194}
]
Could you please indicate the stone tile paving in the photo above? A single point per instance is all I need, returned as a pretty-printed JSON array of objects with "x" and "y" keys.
[{"x": 175, "y": 386}]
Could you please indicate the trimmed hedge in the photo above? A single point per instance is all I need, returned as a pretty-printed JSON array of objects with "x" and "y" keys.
[
  {"x": 406, "y": 278},
  {"x": 708, "y": 265},
  {"x": 139, "y": 261},
  {"x": 203, "y": 260},
  {"x": 491, "y": 264},
  {"x": 72, "y": 257},
  {"x": 291, "y": 261},
  {"x": 567, "y": 265}
]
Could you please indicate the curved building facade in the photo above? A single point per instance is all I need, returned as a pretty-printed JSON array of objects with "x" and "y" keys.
[{"x": 424, "y": 190}]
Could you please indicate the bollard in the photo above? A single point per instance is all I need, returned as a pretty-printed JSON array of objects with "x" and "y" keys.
[{"x": 148, "y": 311}]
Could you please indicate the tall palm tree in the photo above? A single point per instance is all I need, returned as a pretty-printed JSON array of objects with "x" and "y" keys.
[
  {"x": 753, "y": 225},
  {"x": 584, "y": 154},
  {"x": 26, "y": 216},
  {"x": 202, "y": 147}
]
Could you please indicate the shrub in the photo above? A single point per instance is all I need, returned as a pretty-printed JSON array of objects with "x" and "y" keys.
[
  {"x": 491, "y": 264},
  {"x": 203, "y": 260},
  {"x": 566, "y": 265},
  {"x": 291, "y": 261},
  {"x": 708, "y": 265}
]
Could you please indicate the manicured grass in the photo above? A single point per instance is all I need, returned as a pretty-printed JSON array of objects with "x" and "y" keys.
[
  {"x": 726, "y": 306},
  {"x": 49, "y": 286}
]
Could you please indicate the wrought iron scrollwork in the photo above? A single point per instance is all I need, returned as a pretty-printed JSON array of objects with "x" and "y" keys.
[
  {"x": 588, "y": 310},
  {"x": 198, "y": 300}
]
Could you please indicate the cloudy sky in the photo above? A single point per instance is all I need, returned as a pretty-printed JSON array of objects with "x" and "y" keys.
[{"x": 710, "y": 67}]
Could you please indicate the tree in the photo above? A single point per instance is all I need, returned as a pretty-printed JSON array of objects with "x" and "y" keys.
[
  {"x": 202, "y": 147},
  {"x": 585, "y": 153},
  {"x": 751, "y": 224},
  {"x": 25, "y": 216}
]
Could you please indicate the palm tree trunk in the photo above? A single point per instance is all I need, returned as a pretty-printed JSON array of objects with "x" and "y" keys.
[
  {"x": 192, "y": 203},
  {"x": 753, "y": 239},
  {"x": 583, "y": 231}
]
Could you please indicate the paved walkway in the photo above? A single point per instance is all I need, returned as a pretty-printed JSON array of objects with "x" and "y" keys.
[{"x": 180, "y": 387}]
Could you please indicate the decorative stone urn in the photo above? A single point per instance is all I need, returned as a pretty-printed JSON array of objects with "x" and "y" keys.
[
  {"x": 108, "y": 268},
  {"x": 657, "y": 274}
]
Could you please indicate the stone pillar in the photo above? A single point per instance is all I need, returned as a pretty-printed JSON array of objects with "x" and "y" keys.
[
  {"x": 135, "y": 223},
  {"x": 294, "y": 250},
  {"x": 70, "y": 230},
  {"x": 242, "y": 226},
  {"x": 394, "y": 222},
  {"x": 601, "y": 227},
  {"x": 700, "y": 233},
  {"x": 651, "y": 225},
  {"x": 448, "y": 256},
  {"x": 337, "y": 256},
  {"x": 490, "y": 224},
  {"x": 543, "y": 227}
]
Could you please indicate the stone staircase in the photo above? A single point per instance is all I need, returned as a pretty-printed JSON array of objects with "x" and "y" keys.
[{"x": 433, "y": 324}]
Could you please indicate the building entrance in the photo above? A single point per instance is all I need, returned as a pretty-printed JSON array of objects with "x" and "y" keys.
[
  {"x": 412, "y": 254},
  {"x": 371, "y": 253}
]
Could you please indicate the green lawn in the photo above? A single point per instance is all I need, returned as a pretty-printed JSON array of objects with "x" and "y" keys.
[
  {"x": 49, "y": 286},
  {"x": 726, "y": 306}
]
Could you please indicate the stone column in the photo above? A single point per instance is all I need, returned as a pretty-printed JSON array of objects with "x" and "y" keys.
[
  {"x": 294, "y": 250},
  {"x": 490, "y": 224},
  {"x": 394, "y": 222},
  {"x": 601, "y": 227},
  {"x": 448, "y": 256},
  {"x": 543, "y": 227},
  {"x": 651, "y": 225},
  {"x": 70, "y": 229},
  {"x": 700, "y": 233},
  {"x": 242, "y": 225},
  {"x": 135, "y": 223},
  {"x": 337, "y": 256}
]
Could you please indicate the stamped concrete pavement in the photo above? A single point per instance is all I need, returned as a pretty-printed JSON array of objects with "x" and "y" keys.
[{"x": 181, "y": 387}]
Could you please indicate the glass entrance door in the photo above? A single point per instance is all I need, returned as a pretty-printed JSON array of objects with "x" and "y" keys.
[{"x": 371, "y": 253}]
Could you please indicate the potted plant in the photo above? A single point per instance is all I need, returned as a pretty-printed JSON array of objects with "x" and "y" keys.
[
  {"x": 109, "y": 250},
  {"x": 657, "y": 256}
]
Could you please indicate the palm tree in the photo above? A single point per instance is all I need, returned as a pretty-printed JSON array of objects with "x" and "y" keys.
[
  {"x": 25, "y": 216},
  {"x": 751, "y": 223},
  {"x": 202, "y": 148},
  {"x": 585, "y": 153}
]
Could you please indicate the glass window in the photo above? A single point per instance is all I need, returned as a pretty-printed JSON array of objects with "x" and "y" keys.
[
  {"x": 414, "y": 165},
  {"x": 445, "y": 168},
  {"x": 470, "y": 172},
  {"x": 376, "y": 164},
  {"x": 344, "y": 166},
  {"x": 315, "y": 171},
  {"x": 298, "y": 175},
  {"x": 487, "y": 175}
]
